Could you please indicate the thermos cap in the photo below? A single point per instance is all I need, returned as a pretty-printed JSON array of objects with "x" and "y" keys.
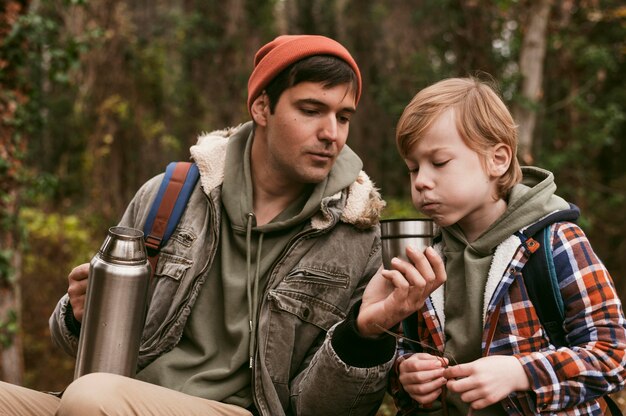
[{"x": 124, "y": 245}]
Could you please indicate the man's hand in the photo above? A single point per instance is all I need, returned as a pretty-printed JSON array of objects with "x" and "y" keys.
[
  {"x": 487, "y": 380},
  {"x": 77, "y": 289},
  {"x": 392, "y": 295},
  {"x": 421, "y": 376}
]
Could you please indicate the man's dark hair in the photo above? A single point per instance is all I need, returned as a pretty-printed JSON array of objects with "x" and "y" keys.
[{"x": 325, "y": 69}]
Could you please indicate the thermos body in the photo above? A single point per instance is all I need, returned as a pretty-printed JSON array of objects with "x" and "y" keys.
[{"x": 115, "y": 305}]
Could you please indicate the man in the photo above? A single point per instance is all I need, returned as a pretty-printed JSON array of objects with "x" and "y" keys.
[{"x": 257, "y": 302}]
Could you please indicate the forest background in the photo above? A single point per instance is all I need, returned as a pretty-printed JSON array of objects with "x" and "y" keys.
[{"x": 97, "y": 96}]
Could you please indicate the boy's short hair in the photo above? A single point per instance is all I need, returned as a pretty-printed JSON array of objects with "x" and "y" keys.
[
  {"x": 482, "y": 120},
  {"x": 328, "y": 70}
]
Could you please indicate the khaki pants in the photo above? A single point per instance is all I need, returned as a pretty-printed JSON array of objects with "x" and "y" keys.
[{"x": 109, "y": 394}]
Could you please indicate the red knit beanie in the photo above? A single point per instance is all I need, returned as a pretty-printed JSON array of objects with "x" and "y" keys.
[{"x": 285, "y": 50}]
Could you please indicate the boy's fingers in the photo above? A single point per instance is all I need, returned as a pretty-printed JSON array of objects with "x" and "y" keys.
[
  {"x": 457, "y": 371},
  {"x": 421, "y": 362},
  {"x": 425, "y": 391}
]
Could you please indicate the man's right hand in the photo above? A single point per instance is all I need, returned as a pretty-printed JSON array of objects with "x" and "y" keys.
[
  {"x": 392, "y": 295},
  {"x": 77, "y": 289}
]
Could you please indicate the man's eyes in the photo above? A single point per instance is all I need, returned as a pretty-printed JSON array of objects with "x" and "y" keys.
[
  {"x": 309, "y": 111},
  {"x": 343, "y": 119}
]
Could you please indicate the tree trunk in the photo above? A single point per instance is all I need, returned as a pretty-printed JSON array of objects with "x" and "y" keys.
[
  {"x": 11, "y": 147},
  {"x": 532, "y": 56},
  {"x": 10, "y": 311}
]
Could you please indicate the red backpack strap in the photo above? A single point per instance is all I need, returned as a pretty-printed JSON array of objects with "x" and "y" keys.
[{"x": 167, "y": 208}]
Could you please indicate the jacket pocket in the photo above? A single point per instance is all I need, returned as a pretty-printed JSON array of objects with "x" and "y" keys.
[
  {"x": 297, "y": 326},
  {"x": 171, "y": 266},
  {"x": 170, "y": 272},
  {"x": 320, "y": 276},
  {"x": 307, "y": 308}
]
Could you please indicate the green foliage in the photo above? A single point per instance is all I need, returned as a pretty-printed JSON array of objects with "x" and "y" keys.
[
  {"x": 400, "y": 208},
  {"x": 6, "y": 270},
  {"x": 8, "y": 328},
  {"x": 387, "y": 408},
  {"x": 40, "y": 51},
  {"x": 69, "y": 234},
  {"x": 56, "y": 244}
]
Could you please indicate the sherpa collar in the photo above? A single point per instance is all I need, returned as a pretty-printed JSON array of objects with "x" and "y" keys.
[{"x": 363, "y": 204}]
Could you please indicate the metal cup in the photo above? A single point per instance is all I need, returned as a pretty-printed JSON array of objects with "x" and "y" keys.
[{"x": 398, "y": 234}]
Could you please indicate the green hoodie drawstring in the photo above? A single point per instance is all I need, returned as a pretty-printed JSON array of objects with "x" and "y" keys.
[{"x": 252, "y": 285}]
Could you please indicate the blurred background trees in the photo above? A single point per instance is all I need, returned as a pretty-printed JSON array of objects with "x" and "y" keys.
[{"x": 97, "y": 96}]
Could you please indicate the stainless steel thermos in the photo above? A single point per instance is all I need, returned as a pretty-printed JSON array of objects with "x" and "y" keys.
[
  {"x": 115, "y": 305},
  {"x": 397, "y": 234}
]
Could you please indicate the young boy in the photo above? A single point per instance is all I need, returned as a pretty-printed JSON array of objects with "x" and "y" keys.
[{"x": 459, "y": 141}]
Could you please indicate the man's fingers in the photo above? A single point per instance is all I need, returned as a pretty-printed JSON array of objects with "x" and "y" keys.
[
  {"x": 429, "y": 266},
  {"x": 437, "y": 264},
  {"x": 78, "y": 308},
  {"x": 422, "y": 265},
  {"x": 79, "y": 272},
  {"x": 77, "y": 288},
  {"x": 396, "y": 278},
  {"x": 409, "y": 273}
]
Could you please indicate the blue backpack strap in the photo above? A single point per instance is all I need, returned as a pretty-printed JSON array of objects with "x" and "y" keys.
[
  {"x": 168, "y": 206},
  {"x": 540, "y": 275},
  {"x": 543, "y": 288}
]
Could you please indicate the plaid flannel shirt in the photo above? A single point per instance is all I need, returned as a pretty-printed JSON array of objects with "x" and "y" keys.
[{"x": 564, "y": 381}]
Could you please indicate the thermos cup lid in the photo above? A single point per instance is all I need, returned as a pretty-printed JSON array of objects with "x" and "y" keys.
[
  {"x": 124, "y": 245},
  {"x": 412, "y": 227}
]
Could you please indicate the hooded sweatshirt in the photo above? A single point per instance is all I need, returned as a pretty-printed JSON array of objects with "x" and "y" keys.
[
  {"x": 214, "y": 357},
  {"x": 468, "y": 264}
]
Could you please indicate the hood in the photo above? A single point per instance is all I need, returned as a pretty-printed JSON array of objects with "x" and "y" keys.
[{"x": 360, "y": 205}]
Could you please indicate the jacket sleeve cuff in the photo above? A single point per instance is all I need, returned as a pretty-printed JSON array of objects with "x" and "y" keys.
[
  {"x": 71, "y": 322},
  {"x": 358, "y": 351}
]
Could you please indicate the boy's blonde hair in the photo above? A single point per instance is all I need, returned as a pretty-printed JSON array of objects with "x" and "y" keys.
[{"x": 482, "y": 120}]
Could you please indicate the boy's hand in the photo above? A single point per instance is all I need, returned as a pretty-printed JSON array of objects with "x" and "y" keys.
[
  {"x": 392, "y": 295},
  {"x": 77, "y": 289},
  {"x": 421, "y": 376},
  {"x": 487, "y": 380}
]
